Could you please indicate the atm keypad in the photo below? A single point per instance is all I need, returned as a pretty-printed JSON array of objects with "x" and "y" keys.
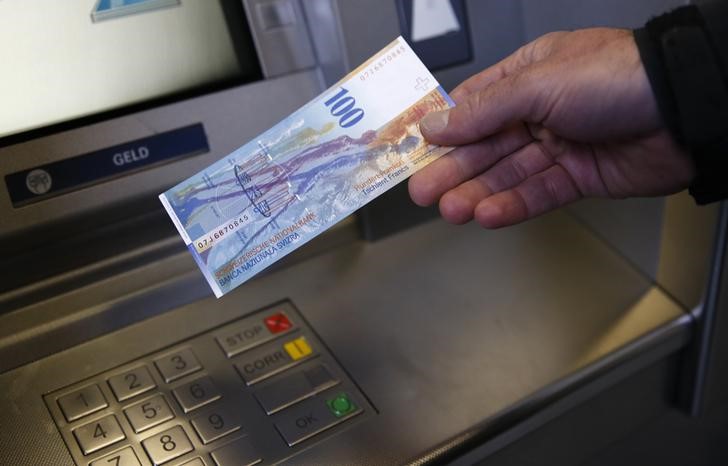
[{"x": 256, "y": 390}]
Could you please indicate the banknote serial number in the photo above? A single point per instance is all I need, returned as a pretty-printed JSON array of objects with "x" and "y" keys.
[
  {"x": 375, "y": 67},
  {"x": 222, "y": 231}
]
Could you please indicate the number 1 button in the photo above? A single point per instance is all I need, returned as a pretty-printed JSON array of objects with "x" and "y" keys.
[
  {"x": 82, "y": 402},
  {"x": 176, "y": 365}
]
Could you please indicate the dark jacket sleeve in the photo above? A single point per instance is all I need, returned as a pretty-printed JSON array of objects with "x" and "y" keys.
[{"x": 685, "y": 53}]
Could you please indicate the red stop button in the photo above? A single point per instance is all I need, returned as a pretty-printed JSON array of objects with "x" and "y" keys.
[{"x": 277, "y": 323}]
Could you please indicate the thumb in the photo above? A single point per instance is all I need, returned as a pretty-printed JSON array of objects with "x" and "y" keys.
[{"x": 483, "y": 113}]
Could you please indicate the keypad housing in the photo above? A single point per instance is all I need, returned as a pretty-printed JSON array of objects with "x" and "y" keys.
[{"x": 193, "y": 402}]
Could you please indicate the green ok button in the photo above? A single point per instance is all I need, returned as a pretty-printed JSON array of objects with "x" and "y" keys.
[{"x": 341, "y": 405}]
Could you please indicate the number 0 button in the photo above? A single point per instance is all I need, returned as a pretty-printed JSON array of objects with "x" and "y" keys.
[
  {"x": 176, "y": 365},
  {"x": 168, "y": 445}
]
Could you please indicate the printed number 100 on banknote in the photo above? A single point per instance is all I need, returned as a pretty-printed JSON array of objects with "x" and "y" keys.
[{"x": 341, "y": 150}]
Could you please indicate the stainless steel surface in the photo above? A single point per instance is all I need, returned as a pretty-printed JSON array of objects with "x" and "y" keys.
[
  {"x": 51, "y": 315},
  {"x": 194, "y": 462},
  {"x": 281, "y": 36},
  {"x": 295, "y": 387},
  {"x": 225, "y": 125},
  {"x": 705, "y": 370},
  {"x": 560, "y": 308},
  {"x": 238, "y": 453},
  {"x": 327, "y": 38}
]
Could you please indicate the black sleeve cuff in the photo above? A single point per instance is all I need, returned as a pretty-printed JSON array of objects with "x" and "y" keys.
[
  {"x": 654, "y": 64},
  {"x": 685, "y": 67}
]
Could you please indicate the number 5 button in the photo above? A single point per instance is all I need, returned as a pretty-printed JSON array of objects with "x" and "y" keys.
[
  {"x": 176, "y": 365},
  {"x": 148, "y": 413}
]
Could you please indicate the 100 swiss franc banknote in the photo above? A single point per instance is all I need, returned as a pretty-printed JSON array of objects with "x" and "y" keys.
[{"x": 333, "y": 155}]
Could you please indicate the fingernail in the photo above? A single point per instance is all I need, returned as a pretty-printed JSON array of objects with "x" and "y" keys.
[{"x": 434, "y": 122}]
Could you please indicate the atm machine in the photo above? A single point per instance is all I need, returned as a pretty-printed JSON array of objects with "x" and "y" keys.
[{"x": 393, "y": 338}]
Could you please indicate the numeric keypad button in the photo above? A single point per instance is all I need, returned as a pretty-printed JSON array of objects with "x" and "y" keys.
[
  {"x": 132, "y": 383},
  {"x": 82, "y": 402},
  {"x": 123, "y": 457},
  {"x": 237, "y": 453},
  {"x": 148, "y": 413},
  {"x": 176, "y": 365},
  {"x": 194, "y": 462},
  {"x": 167, "y": 445},
  {"x": 196, "y": 394},
  {"x": 98, "y": 434},
  {"x": 215, "y": 424}
]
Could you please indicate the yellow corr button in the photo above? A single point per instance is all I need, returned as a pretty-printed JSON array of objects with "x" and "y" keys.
[{"x": 298, "y": 348}]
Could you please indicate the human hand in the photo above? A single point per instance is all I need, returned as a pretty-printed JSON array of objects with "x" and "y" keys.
[{"x": 568, "y": 116}]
